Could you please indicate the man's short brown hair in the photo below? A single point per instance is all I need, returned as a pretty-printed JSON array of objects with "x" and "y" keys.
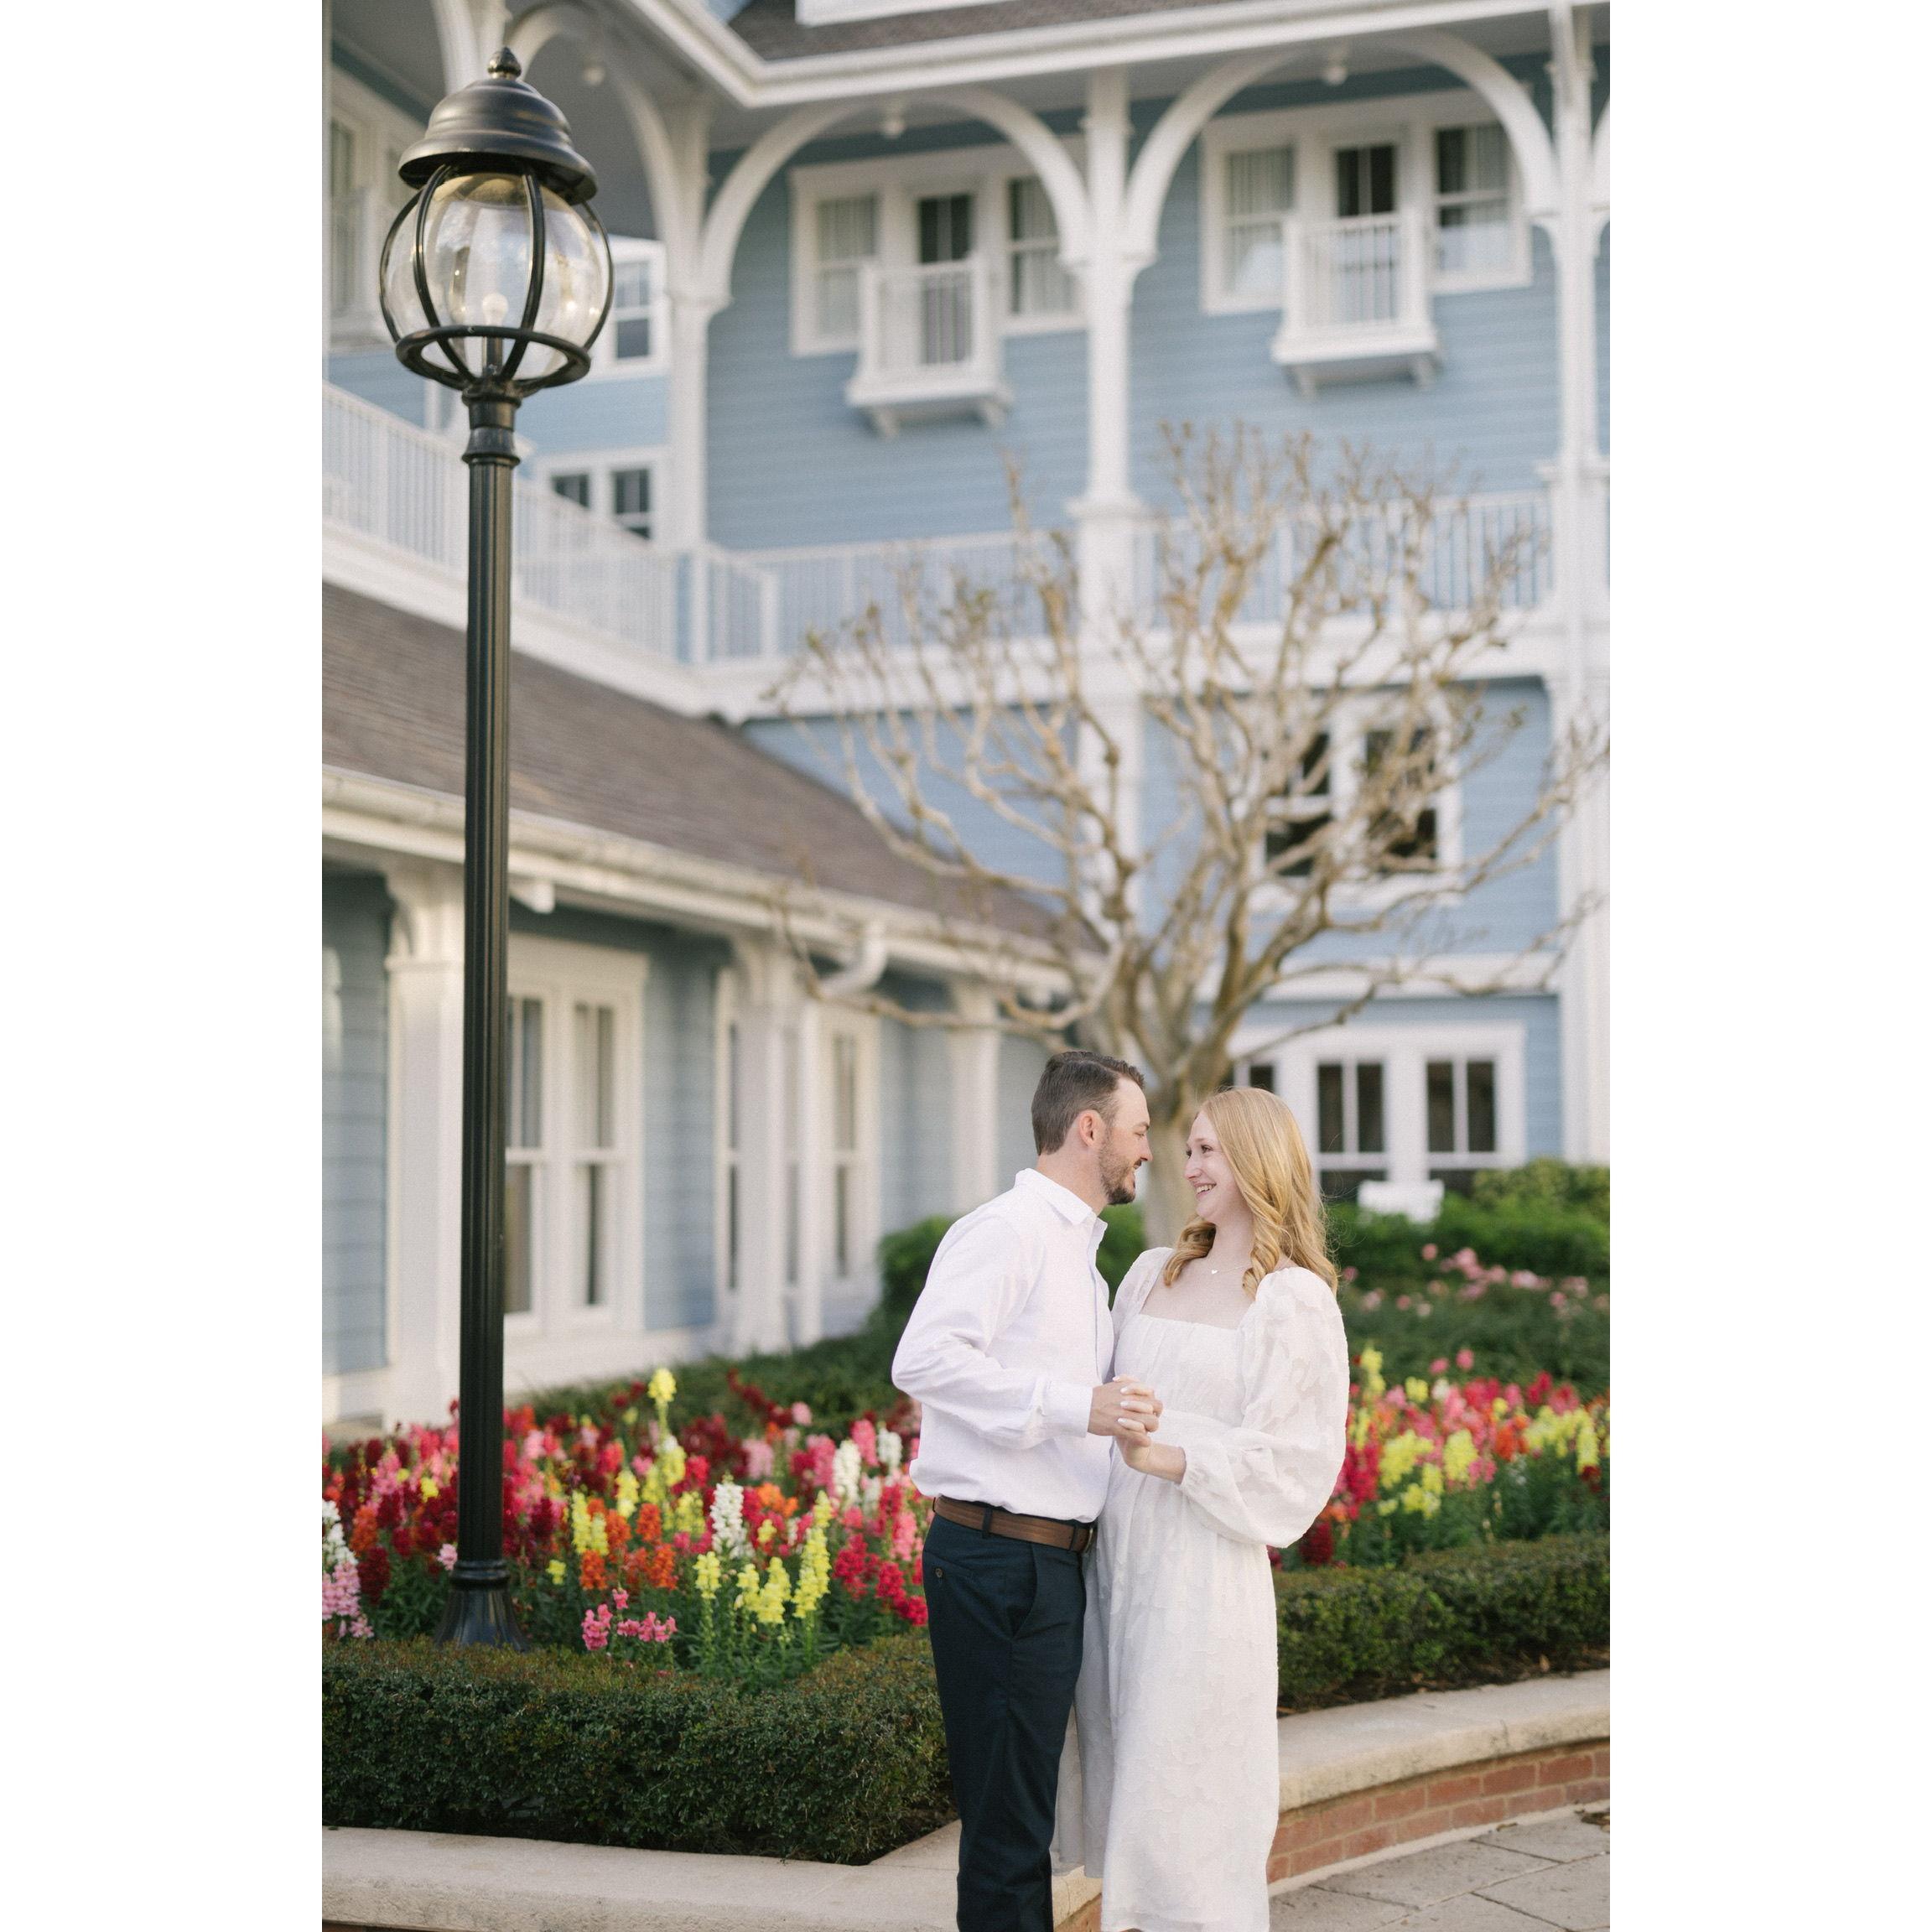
[{"x": 1069, "y": 1084}]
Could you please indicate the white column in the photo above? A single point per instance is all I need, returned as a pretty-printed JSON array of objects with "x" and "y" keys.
[
  {"x": 1108, "y": 510},
  {"x": 767, "y": 1012},
  {"x": 1577, "y": 493},
  {"x": 688, "y": 519},
  {"x": 814, "y": 1175},
  {"x": 425, "y": 1139},
  {"x": 975, "y": 1054}
]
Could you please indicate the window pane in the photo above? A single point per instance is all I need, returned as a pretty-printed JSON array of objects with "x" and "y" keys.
[
  {"x": 732, "y": 1226},
  {"x": 1451, "y": 160},
  {"x": 1345, "y": 1183},
  {"x": 341, "y": 158},
  {"x": 596, "y": 1043},
  {"x": 1369, "y": 1131},
  {"x": 1365, "y": 180},
  {"x": 631, "y": 492},
  {"x": 945, "y": 227},
  {"x": 523, "y": 1112},
  {"x": 633, "y": 338},
  {"x": 1331, "y": 1128},
  {"x": 1261, "y": 182},
  {"x": 1296, "y": 835},
  {"x": 1260, "y": 191},
  {"x": 838, "y": 302},
  {"x": 1442, "y": 1107},
  {"x": 519, "y": 1185},
  {"x": 629, "y": 285},
  {"x": 792, "y": 1222},
  {"x": 731, "y": 1087},
  {"x": 842, "y": 1219},
  {"x": 1261, "y": 1074},
  {"x": 845, "y": 1094},
  {"x": 849, "y": 229},
  {"x": 576, "y": 486},
  {"x": 594, "y": 1234},
  {"x": 1030, "y": 212},
  {"x": 1481, "y": 1075}
]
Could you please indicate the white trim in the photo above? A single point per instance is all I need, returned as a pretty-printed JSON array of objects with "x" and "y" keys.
[
  {"x": 899, "y": 181},
  {"x": 1408, "y": 121},
  {"x": 1405, "y": 1052},
  {"x": 604, "y": 366}
]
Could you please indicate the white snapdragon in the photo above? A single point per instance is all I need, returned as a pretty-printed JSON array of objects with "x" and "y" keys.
[
  {"x": 891, "y": 1450},
  {"x": 728, "y": 1520},
  {"x": 869, "y": 1491},
  {"x": 845, "y": 1472}
]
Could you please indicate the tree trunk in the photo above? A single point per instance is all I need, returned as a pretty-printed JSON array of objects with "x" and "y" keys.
[{"x": 1167, "y": 1205}]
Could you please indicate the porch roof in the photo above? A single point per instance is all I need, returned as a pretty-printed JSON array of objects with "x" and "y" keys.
[
  {"x": 393, "y": 708},
  {"x": 772, "y": 30}
]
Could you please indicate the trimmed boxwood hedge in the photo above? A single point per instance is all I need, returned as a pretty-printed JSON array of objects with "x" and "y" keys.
[
  {"x": 844, "y": 1764},
  {"x": 1488, "y": 1615},
  {"x": 839, "y": 1766}
]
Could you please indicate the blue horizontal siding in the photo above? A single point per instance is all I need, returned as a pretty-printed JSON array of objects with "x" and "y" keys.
[
  {"x": 606, "y": 412},
  {"x": 679, "y": 1075},
  {"x": 376, "y": 376},
  {"x": 355, "y": 1108}
]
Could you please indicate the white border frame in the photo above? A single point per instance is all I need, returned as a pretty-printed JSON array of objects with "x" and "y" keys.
[
  {"x": 900, "y": 180},
  {"x": 1410, "y": 121}
]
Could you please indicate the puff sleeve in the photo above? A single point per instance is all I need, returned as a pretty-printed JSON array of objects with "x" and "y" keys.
[{"x": 1266, "y": 1478}]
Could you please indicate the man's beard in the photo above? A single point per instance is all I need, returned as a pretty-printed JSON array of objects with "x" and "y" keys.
[{"x": 1119, "y": 1181}]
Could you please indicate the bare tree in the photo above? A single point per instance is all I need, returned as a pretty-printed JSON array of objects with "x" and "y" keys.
[{"x": 1307, "y": 663}]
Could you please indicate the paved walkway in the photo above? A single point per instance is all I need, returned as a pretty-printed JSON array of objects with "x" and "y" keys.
[{"x": 1513, "y": 1879}]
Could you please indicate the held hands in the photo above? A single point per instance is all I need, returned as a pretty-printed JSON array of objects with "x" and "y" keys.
[
  {"x": 1128, "y": 1410},
  {"x": 1160, "y": 1459}
]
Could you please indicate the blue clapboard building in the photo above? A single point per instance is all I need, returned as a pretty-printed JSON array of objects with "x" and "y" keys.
[{"x": 1123, "y": 214}]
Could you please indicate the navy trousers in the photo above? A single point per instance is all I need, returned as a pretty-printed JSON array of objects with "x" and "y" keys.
[{"x": 1005, "y": 1620}]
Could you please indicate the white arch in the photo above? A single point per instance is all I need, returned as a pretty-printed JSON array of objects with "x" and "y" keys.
[
  {"x": 777, "y": 144},
  {"x": 1187, "y": 115},
  {"x": 536, "y": 27},
  {"x": 456, "y": 37},
  {"x": 1534, "y": 154}
]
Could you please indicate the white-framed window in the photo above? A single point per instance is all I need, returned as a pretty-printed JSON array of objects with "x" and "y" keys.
[
  {"x": 368, "y": 137},
  {"x": 902, "y": 211},
  {"x": 1038, "y": 284},
  {"x": 849, "y": 1098},
  {"x": 636, "y": 337},
  {"x": 1403, "y": 1102},
  {"x": 1419, "y": 835},
  {"x": 621, "y": 484},
  {"x": 573, "y": 1136},
  {"x": 1350, "y": 163},
  {"x": 1480, "y": 240},
  {"x": 1257, "y": 185}
]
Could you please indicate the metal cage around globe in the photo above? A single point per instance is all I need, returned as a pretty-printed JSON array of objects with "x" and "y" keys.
[{"x": 496, "y": 277}]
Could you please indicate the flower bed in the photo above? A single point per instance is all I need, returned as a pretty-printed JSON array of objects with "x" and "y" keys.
[{"x": 747, "y": 1557}]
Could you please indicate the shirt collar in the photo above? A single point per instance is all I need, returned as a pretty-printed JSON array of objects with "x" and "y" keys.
[{"x": 1063, "y": 1201}]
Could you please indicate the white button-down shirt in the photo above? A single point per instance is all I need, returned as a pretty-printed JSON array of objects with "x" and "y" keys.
[{"x": 1007, "y": 1342}]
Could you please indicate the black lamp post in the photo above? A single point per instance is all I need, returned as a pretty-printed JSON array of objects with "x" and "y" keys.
[{"x": 496, "y": 279}]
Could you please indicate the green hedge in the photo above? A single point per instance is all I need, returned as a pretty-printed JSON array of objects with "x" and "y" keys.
[
  {"x": 840, "y": 1766},
  {"x": 1443, "y": 1621},
  {"x": 845, "y": 1764}
]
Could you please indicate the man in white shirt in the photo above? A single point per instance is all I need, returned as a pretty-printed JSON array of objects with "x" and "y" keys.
[{"x": 1009, "y": 1351}]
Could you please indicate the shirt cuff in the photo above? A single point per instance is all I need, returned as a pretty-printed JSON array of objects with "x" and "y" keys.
[{"x": 1069, "y": 1408}]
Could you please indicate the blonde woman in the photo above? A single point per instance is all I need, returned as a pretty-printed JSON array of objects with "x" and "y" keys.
[{"x": 1171, "y": 1799}]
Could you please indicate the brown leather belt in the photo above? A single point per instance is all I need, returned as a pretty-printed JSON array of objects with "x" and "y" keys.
[{"x": 1048, "y": 1529}]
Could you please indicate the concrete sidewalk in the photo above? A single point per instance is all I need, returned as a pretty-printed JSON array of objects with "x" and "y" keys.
[{"x": 1552, "y": 1873}]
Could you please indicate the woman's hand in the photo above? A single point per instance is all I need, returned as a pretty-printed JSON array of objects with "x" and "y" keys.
[{"x": 1159, "y": 1459}]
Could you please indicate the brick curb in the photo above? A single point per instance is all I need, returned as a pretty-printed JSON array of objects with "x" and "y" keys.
[{"x": 1357, "y": 1782}]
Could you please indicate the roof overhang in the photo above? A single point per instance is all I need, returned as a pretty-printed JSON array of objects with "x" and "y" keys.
[
  {"x": 367, "y": 819},
  {"x": 710, "y": 48}
]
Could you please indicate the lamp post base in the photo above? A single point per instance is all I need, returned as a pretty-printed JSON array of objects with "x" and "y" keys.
[{"x": 478, "y": 1611}]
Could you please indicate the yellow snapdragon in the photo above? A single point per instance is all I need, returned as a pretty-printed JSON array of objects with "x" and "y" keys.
[
  {"x": 1400, "y": 1455},
  {"x": 769, "y": 1608},
  {"x": 1458, "y": 1455},
  {"x": 1416, "y": 1389},
  {"x": 626, "y": 1494},
  {"x": 688, "y": 1513},
  {"x": 1372, "y": 1385},
  {"x": 815, "y": 1574},
  {"x": 707, "y": 1573},
  {"x": 555, "y": 1570}
]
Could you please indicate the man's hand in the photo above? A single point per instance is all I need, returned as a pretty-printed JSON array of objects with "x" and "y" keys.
[{"x": 1124, "y": 1409}]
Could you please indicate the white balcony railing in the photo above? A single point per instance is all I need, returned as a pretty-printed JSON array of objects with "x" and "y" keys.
[
  {"x": 408, "y": 489},
  {"x": 928, "y": 344},
  {"x": 1355, "y": 298},
  {"x": 1465, "y": 542}
]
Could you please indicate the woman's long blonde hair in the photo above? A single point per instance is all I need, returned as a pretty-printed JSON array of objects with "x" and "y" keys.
[{"x": 1269, "y": 1161}]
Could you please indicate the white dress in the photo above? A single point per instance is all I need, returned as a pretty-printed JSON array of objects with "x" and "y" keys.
[{"x": 1170, "y": 1793}]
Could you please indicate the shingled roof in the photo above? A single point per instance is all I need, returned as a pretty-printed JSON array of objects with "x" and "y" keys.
[{"x": 393, "y": 707}]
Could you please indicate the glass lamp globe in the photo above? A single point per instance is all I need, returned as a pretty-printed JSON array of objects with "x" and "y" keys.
[{"x": 496, "y": 275}]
